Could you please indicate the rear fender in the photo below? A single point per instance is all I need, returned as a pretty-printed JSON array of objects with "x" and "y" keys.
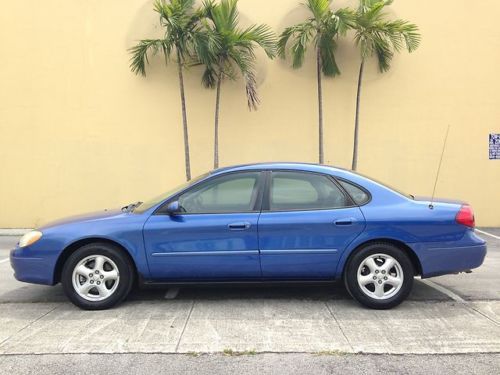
[{"x": 393, "y": 235}]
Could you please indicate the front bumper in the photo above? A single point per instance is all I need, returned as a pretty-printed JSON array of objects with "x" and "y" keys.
[{"x": 31, "y": 269}]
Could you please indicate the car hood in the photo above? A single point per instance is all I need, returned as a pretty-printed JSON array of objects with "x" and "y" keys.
[{"x": 92, "y": 216}]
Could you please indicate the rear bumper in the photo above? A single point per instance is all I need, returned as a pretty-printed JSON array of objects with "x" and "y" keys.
[
  {"x": 446, "y": 258},
  {"x": 31, "y": 269}
]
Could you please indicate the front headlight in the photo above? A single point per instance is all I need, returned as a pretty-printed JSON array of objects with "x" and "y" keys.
[{"x": 30, "y": 238}]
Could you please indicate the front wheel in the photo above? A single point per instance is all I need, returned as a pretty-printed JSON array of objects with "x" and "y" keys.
[
  {"x": 379, "y": 276},
  {"x": 97, "y": 276}
]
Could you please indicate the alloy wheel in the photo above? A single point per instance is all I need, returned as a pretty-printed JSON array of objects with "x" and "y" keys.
[
  {"x": 95, "y": 278},
  {"x": 380, "y": 276}
]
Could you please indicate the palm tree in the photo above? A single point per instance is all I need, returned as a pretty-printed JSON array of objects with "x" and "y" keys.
[
  {"x": 375, "y": 36},
  {"x": 182, "y": 29},
  {"x": 231, "y": 50},
  {"x": 322, "y": 29}
]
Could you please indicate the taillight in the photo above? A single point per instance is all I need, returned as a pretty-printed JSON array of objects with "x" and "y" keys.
[{"x": 465, "y": 216}]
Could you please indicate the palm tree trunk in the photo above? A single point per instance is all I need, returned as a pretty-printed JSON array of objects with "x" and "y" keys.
[
  {"x": 216, "y": 125},
  {"x": 320, "y": 106},
  {"x": 184, "y": 118},
  {"x": 356, "y": 120}
]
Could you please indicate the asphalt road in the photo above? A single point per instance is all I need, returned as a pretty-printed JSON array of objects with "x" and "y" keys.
[
  {"x": 449, "y": 324},
  {"x": 262, "y": 364}
]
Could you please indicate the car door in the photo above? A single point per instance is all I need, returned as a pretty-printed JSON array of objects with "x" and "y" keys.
[
  {"x": 215, "y": 235},
  {"x": 306, "y": 222}
]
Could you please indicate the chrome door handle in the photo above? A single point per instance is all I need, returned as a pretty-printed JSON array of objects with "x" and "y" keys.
[
  {"x": 345, "y": 222},
  {"x": 239, "y": 226}
]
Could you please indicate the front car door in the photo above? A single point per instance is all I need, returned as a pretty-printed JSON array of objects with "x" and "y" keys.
[
  {"x": 306, "y": 222},
  {"x": 215, "y": 235}
]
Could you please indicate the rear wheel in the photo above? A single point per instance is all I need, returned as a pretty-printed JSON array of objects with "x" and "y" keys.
[
  {"x": 379, "y": 276},
  {"x": 97, "y": 276}
]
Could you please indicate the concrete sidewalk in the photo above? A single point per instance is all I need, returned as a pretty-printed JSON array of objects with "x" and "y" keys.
[{"x": 250, "y": 326}]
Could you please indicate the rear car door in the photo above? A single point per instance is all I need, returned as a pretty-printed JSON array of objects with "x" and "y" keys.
[
  {"x": 215, "y": 237},
  {"x": 306, "y": 222}
]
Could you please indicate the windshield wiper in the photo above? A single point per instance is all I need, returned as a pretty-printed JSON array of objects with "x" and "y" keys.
[{"x": 131, "y": 207}]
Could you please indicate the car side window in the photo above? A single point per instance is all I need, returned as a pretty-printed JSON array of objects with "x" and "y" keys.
[
  {"x": 358, "y": 195},
  {"x": 236, "y": 192},
  {"x": 304, "y": 191}
]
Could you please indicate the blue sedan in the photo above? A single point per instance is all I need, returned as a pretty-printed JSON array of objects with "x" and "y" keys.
[{"x": 274, "y": 222}]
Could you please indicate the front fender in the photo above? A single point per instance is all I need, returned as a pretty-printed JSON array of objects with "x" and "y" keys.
[
  {"x": 126, "y": 232},
  {"x": 133, "y": 248}
]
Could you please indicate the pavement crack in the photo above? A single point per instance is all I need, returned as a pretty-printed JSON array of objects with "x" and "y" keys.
[
  {"x": 455, "y": 297},
  {"x": 28, "y": 325},
  {"x": 340, "y": 327},
  {"x": 494, "y": 321},
  {"x": 184, "y": 328},
  {"x": 447, "y": 292}
]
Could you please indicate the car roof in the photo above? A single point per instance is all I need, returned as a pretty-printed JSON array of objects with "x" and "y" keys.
[{"x": 279, "y": 165}]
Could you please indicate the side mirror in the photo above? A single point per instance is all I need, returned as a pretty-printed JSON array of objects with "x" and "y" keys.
[{"x": 173, "y": 208}]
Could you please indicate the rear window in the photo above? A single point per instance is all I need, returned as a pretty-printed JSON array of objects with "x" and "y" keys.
[
  {"x": 385, "y": 185},
  {"x": 358, "y": 195}
]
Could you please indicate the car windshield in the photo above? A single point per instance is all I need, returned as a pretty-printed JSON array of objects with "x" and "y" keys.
[{"x": 146, "y": 205}]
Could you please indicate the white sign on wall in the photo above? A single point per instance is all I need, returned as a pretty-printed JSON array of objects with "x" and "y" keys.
[{"x": 494, "y": 146}]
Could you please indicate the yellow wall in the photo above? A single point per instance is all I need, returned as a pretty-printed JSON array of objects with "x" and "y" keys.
[{"x": 80, "y": 132}]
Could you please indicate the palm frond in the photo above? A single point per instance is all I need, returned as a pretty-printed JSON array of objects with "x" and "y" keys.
[
  {"x": 318, "y": 8},
  {"x": 374, "y": 13},
  {"x": 299, "y": 37},
  {"x": 411, "y": 35},
  {"x": 228, "y": 51},
  {"x": 345, "y": 19},
  {"x": 323, "y": 29},
  {"x": 160, "y": 7},
  {"x": 299, "y": 47},
  {"x": 283, "y": 41},
  {"x": 205, "y": 10},
  {"x": 261, "y": 35},
  {"x": 327, "y": 46},
  {"x": 209, "y": 77},
  {"x": 225, "y": 15},
  {"x": 378, "y": 37},
  {"x": 364, "y": 5},
  {"x": 245, "y": 59},
  {"x": 140, "y": 52},
  {"x": 205, "y": 45},
  {"x": 383, "y": 52},
  {"x": 253, "y": 100},
  {"x": 185, "y": 6}
]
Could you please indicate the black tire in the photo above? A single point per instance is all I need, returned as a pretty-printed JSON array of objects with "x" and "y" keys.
[
  {"x": 116, "y": 255},
  {"x": 351, "y": 275}
]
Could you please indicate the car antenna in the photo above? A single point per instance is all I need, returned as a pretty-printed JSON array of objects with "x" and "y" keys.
[{"x": 431, "y": 205}]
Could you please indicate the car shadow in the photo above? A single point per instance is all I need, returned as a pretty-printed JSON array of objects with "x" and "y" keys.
[
  {"x": 26, "y": 293},
  {"x": 320, "y": 292}
]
